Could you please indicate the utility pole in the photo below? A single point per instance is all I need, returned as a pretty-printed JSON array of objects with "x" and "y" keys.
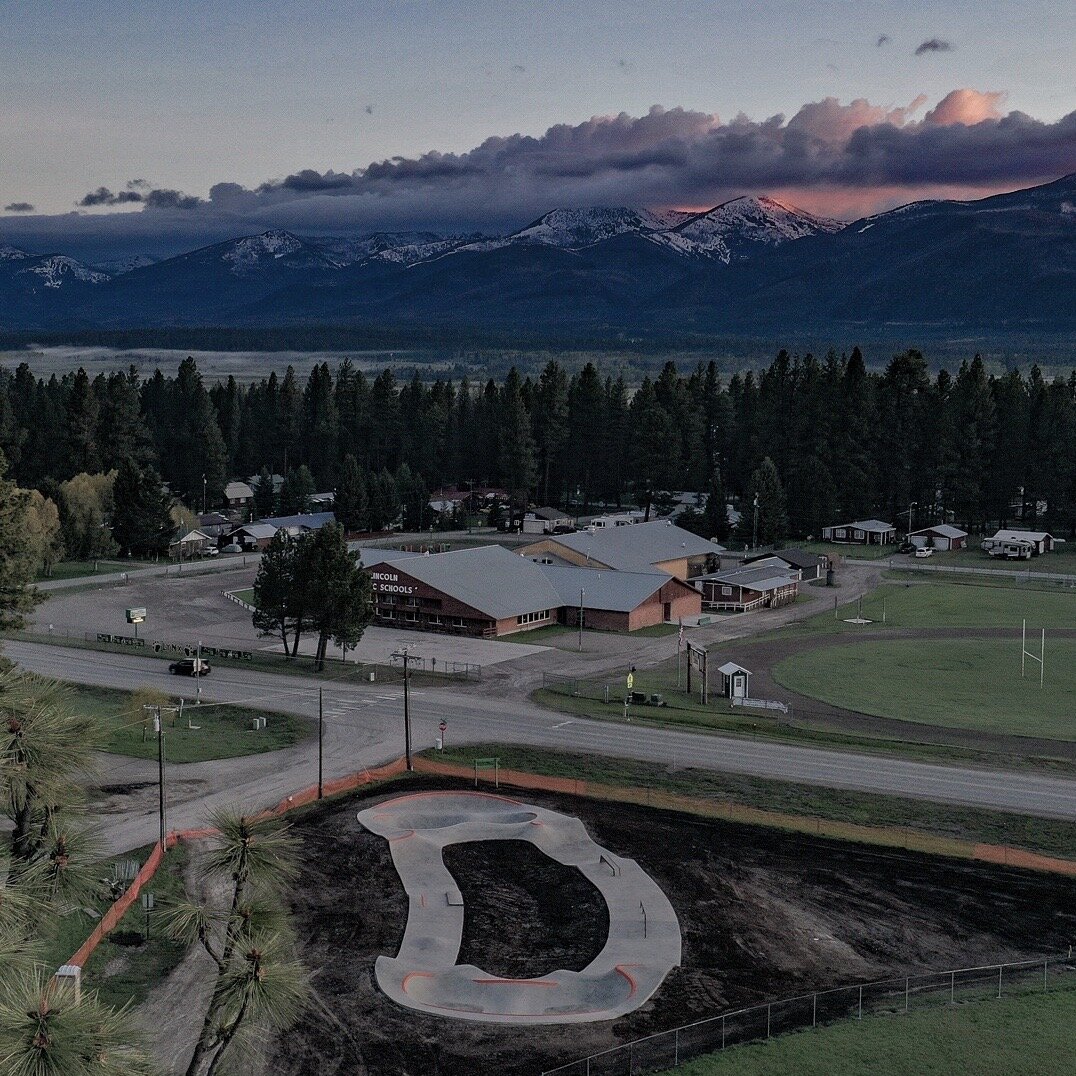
[
  {"x": 405, "y": 656},
  {"x": 198, "y": 676},
  {"x": 582, "y": 591},
  {"x": 203, "y": 494},
  {"x": 754, "y": 528},
  {"x": 158, "y": 728},
  {"x": 912, "y": 505},
  {"x": 321, "y": 743}
]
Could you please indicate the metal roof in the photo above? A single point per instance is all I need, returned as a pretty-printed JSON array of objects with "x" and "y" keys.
[
  {"x": 873, "y": 525},
  {"x": 235, "y": 491},
  {"x": 257, "y": 530},
  {"x": 309, "y": 521},
  {"x": 604, "y": 589},
  {"x": 731, "y": 667},
  {"x": 798, "y": 558},
  {"x": 638, "y": 547},
  {"x": 1021, "y": 536},
  {"x": 548, "y": 513},
  {"x": 371, "y": 556},
  {"x": 766, "y": 574},
  {"x": 944, "y": 529},
  {"x": 489, "y": 578}
]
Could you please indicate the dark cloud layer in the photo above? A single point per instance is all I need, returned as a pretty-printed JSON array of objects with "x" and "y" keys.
[
  {"x": 875, "y": 155},
  {"x": 18, "y": 207}
]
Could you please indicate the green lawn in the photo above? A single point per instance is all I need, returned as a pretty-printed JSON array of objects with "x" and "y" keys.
[
  {"x": 247, "y": 594},
  {"x": 1030, "y": 1035},
  {"x": 961, "y": 683},
  {"x": 76, "y": 569},
  {"x": 923, "y": 603},
  {"x": 856, "y": 552},
  {"x": 223, "y": 732},
  {"x": 805, "y": 801},
  {"x": 125, "y": 966}
]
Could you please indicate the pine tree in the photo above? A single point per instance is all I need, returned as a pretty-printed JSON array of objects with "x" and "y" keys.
[
  {"x": 517, "y": 443},
  {"x": 81, "y": 426},
  {"x": 350, "y": 503},
  {"x": 280, "y": 606},
  {"x": 264, "y": 494},
  {"x": 141, "y": 520},
  {"x": 767, "y": 496},
  {"x": 336, "y": 590},
  {"x": 715, "y": 518},
  {"x": 296, "y": 491}
]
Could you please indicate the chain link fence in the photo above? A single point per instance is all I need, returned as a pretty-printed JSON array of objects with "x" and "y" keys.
[{"x": 924, "y": 990}]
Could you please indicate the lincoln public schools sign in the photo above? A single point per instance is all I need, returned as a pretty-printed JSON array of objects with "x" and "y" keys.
[{"x": 389, "y": 583}]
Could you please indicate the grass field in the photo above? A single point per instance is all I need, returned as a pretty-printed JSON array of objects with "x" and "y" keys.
[
  {"x": 125, "y": 966},
  {"x": 929, "y": 604},
  {"x": 247, "y": 594},
  {"x": 961, "y": 683},
  {"x": 224, "y": 731},
  {"x": 76, "y": 569},
  {"x": 1031, "y": 1034},
  {"x": 856, "y": 552},
  {"x": 805, "y": 802}
]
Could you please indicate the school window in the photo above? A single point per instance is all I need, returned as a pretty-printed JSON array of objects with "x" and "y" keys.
[
  {"x": 531, "y": 618},
  {"x": 411, "y": 617},
  {"x": 457, "y": 622}
]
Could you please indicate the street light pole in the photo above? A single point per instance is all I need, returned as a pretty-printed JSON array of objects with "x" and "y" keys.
[
  {"x": 911, "y": 505},
  {"x": 203, "y": 494},
  {"x": 582, "y": 591},
  {"x": 754, "y": 529}
]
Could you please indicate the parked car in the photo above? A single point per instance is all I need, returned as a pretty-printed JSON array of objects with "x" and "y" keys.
[
  {"x": 922, "y": 554},
  {"x": 190, "y": 667},
  {"x": 906, "y": 547},
  {"x": 210, "y": 551}
]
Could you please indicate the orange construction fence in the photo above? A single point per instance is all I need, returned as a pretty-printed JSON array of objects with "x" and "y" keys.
[{"x": 110, "y": 920}]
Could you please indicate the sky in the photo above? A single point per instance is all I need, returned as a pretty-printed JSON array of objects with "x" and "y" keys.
[{"x": 157, "y": 126}]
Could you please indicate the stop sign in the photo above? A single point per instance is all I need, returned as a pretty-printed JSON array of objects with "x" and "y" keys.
[{"x": 443, "y": 726}]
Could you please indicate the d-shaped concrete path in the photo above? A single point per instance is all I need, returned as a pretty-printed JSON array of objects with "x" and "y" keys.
[{"x": 644, "y": 935}]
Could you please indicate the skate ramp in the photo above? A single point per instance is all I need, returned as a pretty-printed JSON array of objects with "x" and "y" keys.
[{"x": 643, "y": 945}]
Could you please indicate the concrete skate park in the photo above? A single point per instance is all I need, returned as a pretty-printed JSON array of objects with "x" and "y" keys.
[{"x": 642, "y": 947}]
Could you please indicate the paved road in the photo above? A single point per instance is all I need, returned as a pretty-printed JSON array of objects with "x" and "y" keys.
[{"x": 364, "y": 728}]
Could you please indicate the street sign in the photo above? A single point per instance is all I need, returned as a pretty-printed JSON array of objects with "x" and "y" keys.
[
  {"x": 136, "y": 616},
  {"x": 443, "y": 726},
  {"x": 631, "y": 680}
]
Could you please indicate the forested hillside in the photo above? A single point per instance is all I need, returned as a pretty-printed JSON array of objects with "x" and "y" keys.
[{"x": 845, "y": 442}]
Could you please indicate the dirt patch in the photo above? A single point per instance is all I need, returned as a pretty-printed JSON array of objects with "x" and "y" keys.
[
  {"x": 763, "y": 914},
  {"x": 514, "y": 892}
]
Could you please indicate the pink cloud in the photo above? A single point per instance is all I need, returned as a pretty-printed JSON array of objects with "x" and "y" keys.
[{"x": 966, "y": 106}]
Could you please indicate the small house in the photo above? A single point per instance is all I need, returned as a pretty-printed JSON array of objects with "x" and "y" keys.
[
  {"x": 547, "y": 521},
  {"x": 861, "y": 532},
  {"x": 188, "y": 542},
  {"x": 252, "y": 537},
  {"x": 767, "y": 583},
  {"x": 238, "y": 495},
  {"x": 808, "y": 566},
  {"x": 942, "y": 536}
]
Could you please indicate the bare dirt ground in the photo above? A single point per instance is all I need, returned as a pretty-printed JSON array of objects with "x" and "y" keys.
[{"x": 763, "y": 915}]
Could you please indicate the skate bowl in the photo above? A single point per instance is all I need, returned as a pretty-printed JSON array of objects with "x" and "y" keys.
[{"x": 643, "y": 945}]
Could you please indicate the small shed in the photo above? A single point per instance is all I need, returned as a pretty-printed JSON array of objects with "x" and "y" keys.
[{"x": 735, "y": 681}]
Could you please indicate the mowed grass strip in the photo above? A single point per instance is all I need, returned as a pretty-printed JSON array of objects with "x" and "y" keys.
[
  {"x": 221, "y": 731},
  {"x": 1034, "y": 1033},
  {"x": 960, "y": 683},
  {"x": 929, "y": 604},
  {"x": 126, "y": 966}
]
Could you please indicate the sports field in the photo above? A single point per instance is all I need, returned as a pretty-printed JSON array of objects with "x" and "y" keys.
[
  {"x": 929, "y": 604},
  {"x": 1031, "y": 1034},
  {"x": 971, "y": 683}
]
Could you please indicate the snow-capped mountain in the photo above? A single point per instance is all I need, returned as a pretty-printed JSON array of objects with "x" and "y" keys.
[
  {"x": 57, "y": 269},
  {"x": 116, "y": 266},
  {"x": 572, "y": 229},
  {"x": 399, "y": 248},
  {"x": 1008, "y": 260},
  {"x": 736, "y": 229}
]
